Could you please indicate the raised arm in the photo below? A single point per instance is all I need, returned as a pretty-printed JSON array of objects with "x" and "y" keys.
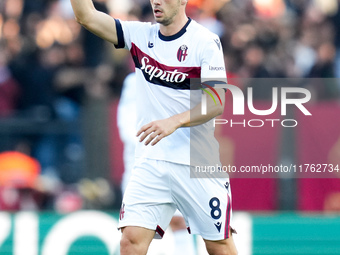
[{"x": 99, "y": 23}]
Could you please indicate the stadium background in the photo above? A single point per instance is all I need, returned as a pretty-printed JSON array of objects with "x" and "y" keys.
[{"x": 59, "y": 90}]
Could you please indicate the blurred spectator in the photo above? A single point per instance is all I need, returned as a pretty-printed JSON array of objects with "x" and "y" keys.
[
  {"x": 18, "y": 177},
  {"x": 324, "y": 68},
  {"x": 304, "y": 55},
  {"x": 68, "y": 201},
  {"x": 9, "y": 89},
  {"x": 18, "y": 170},
  {"x": 47, "y": 44},
  {"x": 93, "y": 45},
  {"x": 9, "y": 97},
  {"x": 97, "y": 194},
  {"x": 335, "y": 19},
  {"x": 254, "y": 63}
]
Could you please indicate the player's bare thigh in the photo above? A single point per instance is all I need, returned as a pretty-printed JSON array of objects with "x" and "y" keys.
[
  {"x": 221, "y": 247},
  {"x": 135, "y": 240}
]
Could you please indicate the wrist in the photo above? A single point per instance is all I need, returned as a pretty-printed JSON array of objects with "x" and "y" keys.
[{"x": 181, "y": 120}]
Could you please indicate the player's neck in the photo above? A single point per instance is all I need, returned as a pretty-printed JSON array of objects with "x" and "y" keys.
[{"x": 175, "y": 26}]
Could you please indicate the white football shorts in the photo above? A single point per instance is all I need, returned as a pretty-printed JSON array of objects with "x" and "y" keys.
[{"x": 157, "y": 188}]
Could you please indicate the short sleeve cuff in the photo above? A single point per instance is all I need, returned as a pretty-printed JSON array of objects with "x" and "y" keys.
[
  {"x": 212, "y": 83},
  {"x": 120, "y": 35}
]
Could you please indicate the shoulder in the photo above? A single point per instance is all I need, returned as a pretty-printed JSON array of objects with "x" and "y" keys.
[
  {"x": 136, "y": 25},
  {"x": 208, "y": 41},
  {"x": 202, "y": 33}
]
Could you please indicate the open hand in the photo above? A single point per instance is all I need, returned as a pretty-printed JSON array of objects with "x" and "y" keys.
[{"x": 156, "y": 130}]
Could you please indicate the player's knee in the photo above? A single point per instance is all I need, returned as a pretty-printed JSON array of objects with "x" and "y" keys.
[
  {"x": 135, "y": 240},
  {"x": 129, "y": 246},
  {"x": 129, "y": 243},
  {"x": 125, "y": 243}
]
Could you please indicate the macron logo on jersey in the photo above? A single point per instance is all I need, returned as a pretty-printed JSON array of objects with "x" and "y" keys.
[
  {"x": 150, "y": 45},
  {"x": 217, "y": 41}
]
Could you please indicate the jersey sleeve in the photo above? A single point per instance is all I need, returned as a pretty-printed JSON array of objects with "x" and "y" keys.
[
  {"x": 212, "y": 61},
  {"x": 128, "y": 32}
]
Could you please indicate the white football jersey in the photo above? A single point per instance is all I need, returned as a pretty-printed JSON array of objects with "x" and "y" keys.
[{"x": 164, "y": 67}]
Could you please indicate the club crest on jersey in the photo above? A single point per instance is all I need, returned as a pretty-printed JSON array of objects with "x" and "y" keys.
[{"x": 182, "y": 53}]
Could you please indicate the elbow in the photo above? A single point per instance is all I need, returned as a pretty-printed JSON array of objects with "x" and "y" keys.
[
  {"x": 78, "y": 19},
  {"x": 81, "y": 20},
  {"x": 84, "y": 18}
]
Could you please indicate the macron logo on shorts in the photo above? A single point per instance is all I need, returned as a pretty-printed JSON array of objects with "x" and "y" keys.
[
  {"x": 218, "y": 225},
  {"x": 226, "y": 185}
]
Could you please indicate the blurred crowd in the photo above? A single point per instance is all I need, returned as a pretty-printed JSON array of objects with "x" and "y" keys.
[{"x": 51, "y": 68}]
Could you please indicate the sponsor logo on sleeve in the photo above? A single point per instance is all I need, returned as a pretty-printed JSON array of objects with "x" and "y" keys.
[{"x": 216, "y": 68}]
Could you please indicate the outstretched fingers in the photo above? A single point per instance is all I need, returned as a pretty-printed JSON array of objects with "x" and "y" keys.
[
  {"x": 155, "y": 131},
  {"x": 152, "y": 132}
]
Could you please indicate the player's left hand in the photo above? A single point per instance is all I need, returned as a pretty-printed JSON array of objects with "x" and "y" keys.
[{"x": 156, "y": 131}]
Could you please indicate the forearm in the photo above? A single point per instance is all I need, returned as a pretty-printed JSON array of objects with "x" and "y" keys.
[
  {"x": 195, "y": 117},
  {"x": 157, "y": 130},
  {"x": 99, "y": 23}
]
